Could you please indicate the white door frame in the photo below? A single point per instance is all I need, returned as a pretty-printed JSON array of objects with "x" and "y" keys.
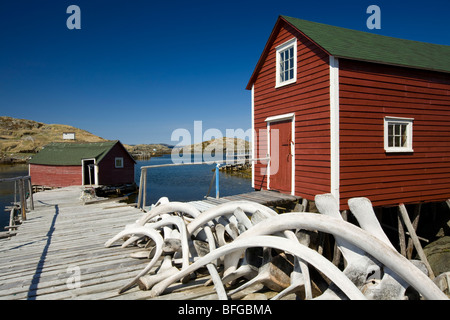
[
  {"x": 278, "y": 118},
  {"x": 95, "y": 171}
]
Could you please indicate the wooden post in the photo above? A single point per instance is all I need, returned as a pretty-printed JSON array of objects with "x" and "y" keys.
[
  {"x": 401, "y": 236},
  {"x": 412, "y": 233},
  {"x": 11, "y": 217},
  {"x": 23, "y": 200},
  {"x": 141, "y": 183},
  {"x": 415, "y": 223},
  {"x": 144, "y": 192},
  {"x": 30, "y": 190}
]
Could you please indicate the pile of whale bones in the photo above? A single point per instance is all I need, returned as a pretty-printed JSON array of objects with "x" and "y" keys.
[{"x": 236, "y": 240}]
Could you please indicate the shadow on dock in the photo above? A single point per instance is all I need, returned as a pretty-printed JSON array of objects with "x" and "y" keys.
[{"x": 32, "y": 290}]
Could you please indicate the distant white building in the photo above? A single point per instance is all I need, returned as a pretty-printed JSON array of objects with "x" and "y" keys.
[{"x": 68, "y": 135}]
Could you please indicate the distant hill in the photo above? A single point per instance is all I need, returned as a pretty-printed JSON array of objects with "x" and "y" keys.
[
  {"x": 146, "y": 151},
  {"x": 216, "y": 144},
  {"x": 20, "y": 138}
]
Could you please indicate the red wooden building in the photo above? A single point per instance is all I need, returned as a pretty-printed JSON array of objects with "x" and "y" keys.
[
  {"x": 351, "y": 113},
  {"x": 71, "y": 163}
]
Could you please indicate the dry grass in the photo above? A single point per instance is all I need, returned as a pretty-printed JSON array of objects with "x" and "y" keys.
[{"x": 20, "y": 137}]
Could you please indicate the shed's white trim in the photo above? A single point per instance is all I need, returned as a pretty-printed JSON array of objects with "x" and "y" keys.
[
  {"x": 281, "y": 117},
  {"x": 95, "y": 171},
  {"x": 334, "y": 127},
  {"x": 254, "y": 147}
]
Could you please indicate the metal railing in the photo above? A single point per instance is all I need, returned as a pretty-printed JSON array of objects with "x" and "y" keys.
[{"x": 143, "y": 179}]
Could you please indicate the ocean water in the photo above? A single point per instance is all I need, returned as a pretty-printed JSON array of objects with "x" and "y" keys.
[
  {"x": 7, "y": 189},
  {"x": 181, "y": 183},
  {"x": 187, "y": 183}
]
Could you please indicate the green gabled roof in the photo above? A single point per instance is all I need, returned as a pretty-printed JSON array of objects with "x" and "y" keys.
[
  {"x": 365, "y": 46},
  {"x": 71, "y": 153}
]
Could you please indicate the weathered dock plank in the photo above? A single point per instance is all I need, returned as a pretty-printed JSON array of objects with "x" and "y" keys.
[
  {"x": 62, "y": 238},
  {"x": 59, "y": 253}
]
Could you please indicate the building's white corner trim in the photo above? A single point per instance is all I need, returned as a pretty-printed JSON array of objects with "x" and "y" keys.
[
  {"x": 334, "y": 126},
  {"x": 253, "y": 136}
]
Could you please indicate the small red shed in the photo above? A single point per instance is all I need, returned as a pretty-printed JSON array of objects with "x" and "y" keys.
[
  {"x": 351, "y": 113},
  {"x": 92, "y": 164}
]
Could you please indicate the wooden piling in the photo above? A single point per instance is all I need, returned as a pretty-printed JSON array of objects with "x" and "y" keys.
[
  {"x": 30, "y": 190},
  {"x": 415, "y": 239}
]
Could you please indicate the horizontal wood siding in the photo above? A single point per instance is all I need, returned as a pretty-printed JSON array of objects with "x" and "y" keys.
[
  {"x": 309, "y": 99},
  {"x": 108, "y": 174},
  {"x": 55, "y": 176},
  {"x": 370, "y": 92}
]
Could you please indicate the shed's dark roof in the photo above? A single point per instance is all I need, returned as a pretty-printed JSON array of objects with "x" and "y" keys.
[
  {"x": 71, "y": 153},
  {"x": 359, "y": 45}
]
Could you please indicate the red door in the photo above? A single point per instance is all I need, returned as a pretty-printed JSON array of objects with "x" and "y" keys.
[{"x": 281, "y": 156}]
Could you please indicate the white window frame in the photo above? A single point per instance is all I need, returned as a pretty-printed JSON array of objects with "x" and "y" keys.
[
  {"x": 282, "y": 47},
  {"x": 409, "y": 134},
  {"x": 121, "y": 162}
]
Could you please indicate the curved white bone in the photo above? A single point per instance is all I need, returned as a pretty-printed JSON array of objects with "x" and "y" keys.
[
  {"x": 297, "y": 280},
  {"x": 156, "y": 237},
  {"x": 261, "y": 212},
  {"x": 299, "y": 277},
  {"x": 363, "y": 211},
  {"x": 227, "y": 209},
  {"x": 179, "y": 222},
  {"x": 327, "y": 205},
  {"x": 293, "y": 247},
  {"x": 358, "y": 263},
  {"x": 224, "y": 209},
  {"x": 263, "y": 273},
  {"x": 166, "y": 269},
  {"x": 170, "y": 207},
  {"x": 396, "y": 287},
  {"x": 220, "y": 290},
  {"x": 356, "y": 237},
  {"x": 167, "y": 220},
  {"x": 242, "y": 218}
]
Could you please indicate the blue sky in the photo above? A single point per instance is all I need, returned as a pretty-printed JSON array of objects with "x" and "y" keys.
[{"x": 138, "y": 70}]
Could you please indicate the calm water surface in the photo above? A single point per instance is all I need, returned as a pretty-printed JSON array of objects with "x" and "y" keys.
[
  {"x": 7, "y": 189},
  {"x": 182, "y": 183},
  {"x": 187, "y": 183}
]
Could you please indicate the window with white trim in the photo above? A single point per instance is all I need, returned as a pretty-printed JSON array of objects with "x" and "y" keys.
[
  {"x": 286, "y": 63},
  {"x": 118, "y": 162},
  {"x": 398, "y": 134}
]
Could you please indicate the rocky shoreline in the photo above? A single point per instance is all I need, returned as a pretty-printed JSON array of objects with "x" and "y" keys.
[{"x": 12, "y": 160}]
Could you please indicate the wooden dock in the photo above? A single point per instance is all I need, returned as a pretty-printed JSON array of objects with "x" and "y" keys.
[{"x": 59, "y": 253}]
